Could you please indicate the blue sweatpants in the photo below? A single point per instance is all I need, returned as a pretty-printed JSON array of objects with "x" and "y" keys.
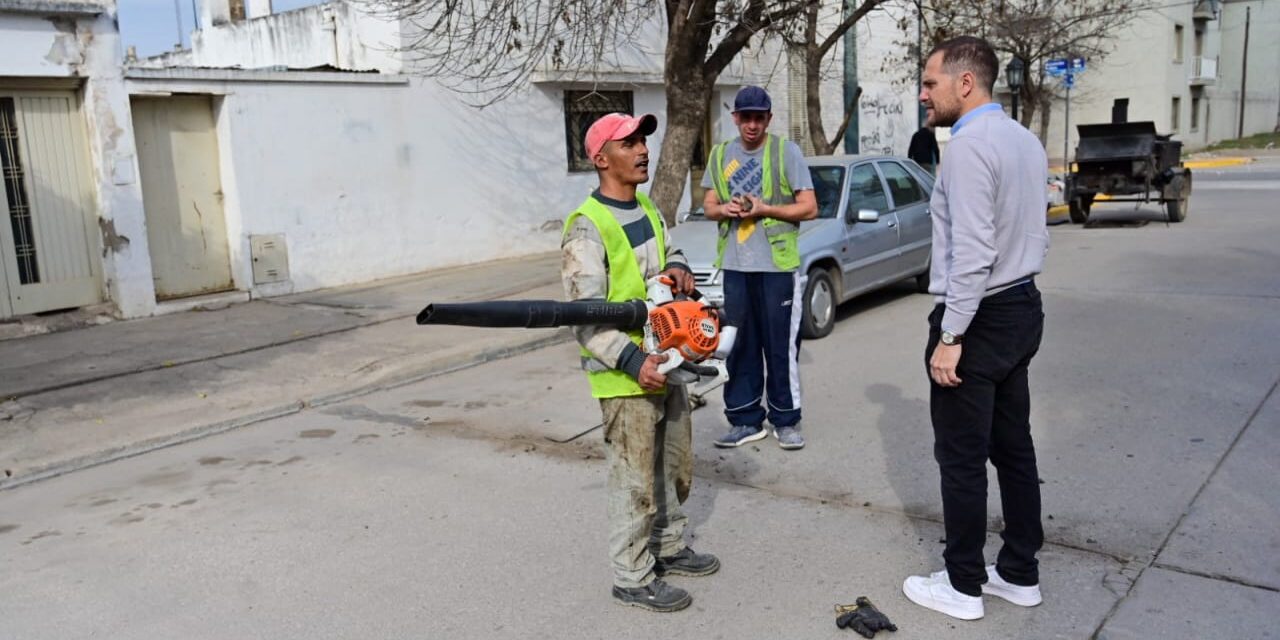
[{"x": 766, "y": 308}]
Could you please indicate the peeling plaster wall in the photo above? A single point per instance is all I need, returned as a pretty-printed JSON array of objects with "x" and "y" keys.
[
  {"x": 88, "y": 48},
  {"x": 370, "y": 181},
  {"x": 334, "y": 35},
  {"x": 387, "y": 180}
]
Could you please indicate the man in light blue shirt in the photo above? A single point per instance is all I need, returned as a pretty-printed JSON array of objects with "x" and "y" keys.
[{"x": 989, "y": 241}]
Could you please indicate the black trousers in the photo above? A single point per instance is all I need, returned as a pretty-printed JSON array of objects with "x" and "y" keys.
[{"x": 988, "y": 417}]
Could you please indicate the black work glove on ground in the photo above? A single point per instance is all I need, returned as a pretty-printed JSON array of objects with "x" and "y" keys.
[{"x": 865, "y": 619}]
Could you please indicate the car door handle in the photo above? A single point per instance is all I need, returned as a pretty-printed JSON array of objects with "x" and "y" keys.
[{"x": 892, "y": 225}]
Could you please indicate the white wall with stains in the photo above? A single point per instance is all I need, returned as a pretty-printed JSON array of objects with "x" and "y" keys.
[
  {"x": 370, "y": 180},
  {"x": 50, "y": 41}
]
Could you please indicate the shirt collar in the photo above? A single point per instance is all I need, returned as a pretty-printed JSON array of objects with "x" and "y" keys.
[
  {"x": 990, "y": 106},
  {"x": 617, "y": 204}
]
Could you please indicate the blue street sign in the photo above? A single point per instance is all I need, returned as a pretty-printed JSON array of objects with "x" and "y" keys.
[
  {"x": 1056, "y": 67},
  {"x": 1069, "y": 80},
  {"x": 1077, "y": 65}
]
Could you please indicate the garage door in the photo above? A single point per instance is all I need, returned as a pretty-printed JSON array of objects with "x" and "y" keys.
[{"x": 47, "y": 248}]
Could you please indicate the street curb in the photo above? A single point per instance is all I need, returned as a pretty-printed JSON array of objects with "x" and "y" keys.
[
  {"x": 1215, "y": 163},
  {"x": 171, "y": 364},
  {"x": 113, "y": 454}
]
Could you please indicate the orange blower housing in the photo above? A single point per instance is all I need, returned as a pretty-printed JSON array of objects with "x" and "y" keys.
[{"x": 688, "y": 326}]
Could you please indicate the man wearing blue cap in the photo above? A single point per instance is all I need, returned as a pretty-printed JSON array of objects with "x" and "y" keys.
[{"x": 759, "y": 189}]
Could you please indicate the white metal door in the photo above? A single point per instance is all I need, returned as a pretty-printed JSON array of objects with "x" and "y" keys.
[
  {"x": 47, "y": 246},
  {"x": 182, "y": 194}
]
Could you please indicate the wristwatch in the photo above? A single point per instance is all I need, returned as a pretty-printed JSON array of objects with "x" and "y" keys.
[{"x": 951, "y": 339}]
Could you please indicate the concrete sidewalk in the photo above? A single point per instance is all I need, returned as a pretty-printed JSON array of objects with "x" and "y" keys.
[{"x": 82, "y": 397}]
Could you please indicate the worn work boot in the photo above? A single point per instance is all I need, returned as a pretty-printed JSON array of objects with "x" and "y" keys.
[
  {"x": 655, "y": 596},
  {"x": 687, "y": 563},
  {"x": 1017, "y": 594},
  {"x": 935, "y": 592}
]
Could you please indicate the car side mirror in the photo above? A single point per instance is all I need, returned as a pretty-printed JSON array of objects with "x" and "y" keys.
[{"x": 868, "y": 215}]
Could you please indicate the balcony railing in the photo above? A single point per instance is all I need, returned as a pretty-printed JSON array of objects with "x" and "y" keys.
[{"x": 1203, "y": 70}]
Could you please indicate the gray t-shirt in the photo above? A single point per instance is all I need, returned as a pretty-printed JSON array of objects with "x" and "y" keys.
[{"x": 747, "y": 248}]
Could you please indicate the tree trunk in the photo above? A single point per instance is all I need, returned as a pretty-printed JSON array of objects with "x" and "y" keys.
[
  {"x": 813, "y": 83},
  {"x": 687, "y": 98},
  {"x": 1045, "y": 110},
  {"x": 1028, "y": 103}
]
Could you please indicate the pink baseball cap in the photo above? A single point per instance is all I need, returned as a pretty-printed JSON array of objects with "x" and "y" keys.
[{"x": 617, "y": 126}]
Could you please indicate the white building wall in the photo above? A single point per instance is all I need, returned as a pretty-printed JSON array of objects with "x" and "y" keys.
[
  {"x": 1262, "y": 107},
  {"x": 1143, "y": 68},
  {"x": 334, "y": 35},
  {"x": 382, "y": 175},
  {"x": 376, "y": 180},
  {"x": 86, "y": 48}
]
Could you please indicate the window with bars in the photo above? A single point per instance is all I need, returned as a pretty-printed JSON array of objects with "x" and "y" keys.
[
  {"x": 15, "y": 191},
  {"x": 581, "y": 108}
]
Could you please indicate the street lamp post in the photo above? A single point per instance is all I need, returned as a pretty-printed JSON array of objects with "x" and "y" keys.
[{"x": 1013, "y": 76}]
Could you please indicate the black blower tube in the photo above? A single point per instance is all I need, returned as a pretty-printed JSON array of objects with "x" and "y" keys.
[{"x": 532, "y": 314}]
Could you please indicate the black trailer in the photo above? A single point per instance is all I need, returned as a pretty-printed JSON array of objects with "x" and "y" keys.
[{"x": 1129, "y": 160}]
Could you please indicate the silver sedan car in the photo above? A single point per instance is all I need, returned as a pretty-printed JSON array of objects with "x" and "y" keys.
[{"x": 872, "y": 229}]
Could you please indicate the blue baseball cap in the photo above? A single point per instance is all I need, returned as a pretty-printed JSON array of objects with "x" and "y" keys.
[{"x": 752, "y": 99}]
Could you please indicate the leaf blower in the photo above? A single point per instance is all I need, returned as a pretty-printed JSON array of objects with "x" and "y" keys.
[{"x": 689, "y": 332}]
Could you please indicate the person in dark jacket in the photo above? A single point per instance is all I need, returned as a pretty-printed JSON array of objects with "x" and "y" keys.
[{"x": 924, "y": 149}]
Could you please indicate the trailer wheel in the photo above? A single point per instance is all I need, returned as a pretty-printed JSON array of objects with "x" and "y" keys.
[
  {"x": 1078, "y": 209},
  {"x": 1177, "y": 209}
]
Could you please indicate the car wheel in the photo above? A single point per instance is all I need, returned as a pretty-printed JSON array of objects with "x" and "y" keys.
[{"x": 820, "y": 300}]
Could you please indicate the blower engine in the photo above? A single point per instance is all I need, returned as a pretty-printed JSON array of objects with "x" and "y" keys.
[{"x": 689, "y": 332}]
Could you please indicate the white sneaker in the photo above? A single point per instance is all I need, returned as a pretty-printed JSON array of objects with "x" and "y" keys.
[
  {"x": 1000, "y": 588},
  {"x": 935, "y": 592}
]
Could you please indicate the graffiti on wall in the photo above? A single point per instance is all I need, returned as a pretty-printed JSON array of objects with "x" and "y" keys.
[{"x": 882, "y": 125}]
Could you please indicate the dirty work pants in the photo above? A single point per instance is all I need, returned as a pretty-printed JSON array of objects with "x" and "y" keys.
[
  {"x": 648, "y": 443},
  {"x": 766, "y": 309},
  {"x": 989, "y": 417}
]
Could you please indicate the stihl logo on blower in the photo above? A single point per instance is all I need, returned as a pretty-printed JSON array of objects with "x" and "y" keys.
[{"x": 687, "y": 331}]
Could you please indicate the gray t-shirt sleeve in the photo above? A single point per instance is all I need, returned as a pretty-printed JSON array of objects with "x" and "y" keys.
[{"x": 796, "y": 167}]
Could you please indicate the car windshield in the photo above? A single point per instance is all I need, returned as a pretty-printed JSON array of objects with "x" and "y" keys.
[{"x": 827, "y": 185}]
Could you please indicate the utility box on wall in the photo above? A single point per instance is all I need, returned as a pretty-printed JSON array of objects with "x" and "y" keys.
[{"x": 270, "y": 258}]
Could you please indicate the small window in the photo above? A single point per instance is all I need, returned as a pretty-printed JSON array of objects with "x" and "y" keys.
[
  {"x": 1176, "y": 105},
  {"x": 902, "y": 186},
  {"x": 865, "y": 190},
  {"x": 581, "y": 108},
  {"x": 827, "y": 186},
  {"x": 1195, "y": 113},
  {"x": 1177, "y": 43}
]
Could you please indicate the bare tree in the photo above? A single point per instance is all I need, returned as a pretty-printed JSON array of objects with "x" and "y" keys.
[
  {"x": 816, "y": 46},
  {"x": 1033, "y": 30},
  {"x": 488, "y": 49}
]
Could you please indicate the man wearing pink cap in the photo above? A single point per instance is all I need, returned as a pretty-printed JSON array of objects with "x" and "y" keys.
[{"x": 613, "y": 242}]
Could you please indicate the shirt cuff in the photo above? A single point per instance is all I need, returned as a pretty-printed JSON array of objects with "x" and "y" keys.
[
  {"x": 631, "y": 360},
  {"x": 956, "y": 322}
]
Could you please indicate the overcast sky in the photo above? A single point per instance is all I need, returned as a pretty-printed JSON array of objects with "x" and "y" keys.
[{"x": 150, "y": 25}]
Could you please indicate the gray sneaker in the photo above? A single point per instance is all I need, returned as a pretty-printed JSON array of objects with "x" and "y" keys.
[
  {"x": 788, "y": 438},
  {"x": 739, "y": 435},
  {"x": 655, "y": 596}
]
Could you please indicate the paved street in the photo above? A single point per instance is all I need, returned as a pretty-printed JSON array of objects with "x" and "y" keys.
[{"x": 439, "y": 509}]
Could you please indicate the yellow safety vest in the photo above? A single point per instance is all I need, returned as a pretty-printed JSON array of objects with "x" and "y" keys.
[
  {"x": 626, "y": 283},
  {"x": 783, "y": 236}
]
